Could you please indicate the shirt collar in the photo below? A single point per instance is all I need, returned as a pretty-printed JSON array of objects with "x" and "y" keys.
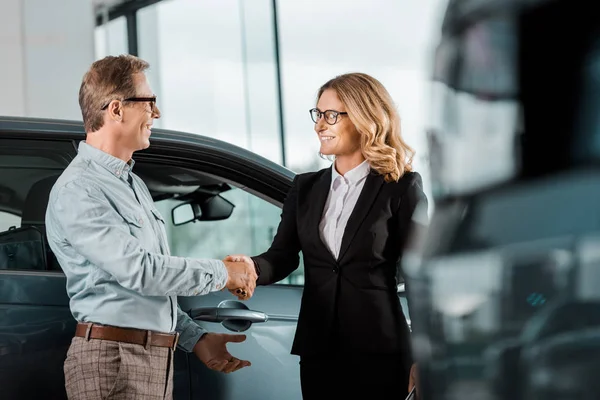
[
  {"x": 354, "y": 175},
  {"x": 114, "y": 165}
]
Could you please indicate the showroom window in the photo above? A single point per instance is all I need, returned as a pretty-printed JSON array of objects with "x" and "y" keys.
[
  {"x": 111, "y": 38},
  {"x": 213, "y": 69}
]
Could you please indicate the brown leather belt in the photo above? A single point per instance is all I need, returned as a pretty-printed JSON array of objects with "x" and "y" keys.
[{"x": 127, "y": 335}]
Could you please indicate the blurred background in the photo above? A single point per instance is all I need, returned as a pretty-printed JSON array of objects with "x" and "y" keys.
[{"x": 243, "y": 71}]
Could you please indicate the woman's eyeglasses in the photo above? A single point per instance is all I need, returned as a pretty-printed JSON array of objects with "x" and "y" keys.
[{"x": 331, "y": 116}]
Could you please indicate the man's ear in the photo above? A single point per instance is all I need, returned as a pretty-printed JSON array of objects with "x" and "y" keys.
[{"x": 115, "y": 110}]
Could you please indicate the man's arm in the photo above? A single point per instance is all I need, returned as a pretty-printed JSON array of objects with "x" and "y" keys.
[{"x": 99, "y": 234}]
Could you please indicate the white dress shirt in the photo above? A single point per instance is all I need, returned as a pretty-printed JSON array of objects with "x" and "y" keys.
[{"x": 341, "y": 200}]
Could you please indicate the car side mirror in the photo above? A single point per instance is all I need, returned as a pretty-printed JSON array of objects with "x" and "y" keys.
[
  {"x": 184, "y": 213},
  {"x": 213, "y": 208}
]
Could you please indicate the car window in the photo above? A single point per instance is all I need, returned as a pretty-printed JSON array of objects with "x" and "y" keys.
[
  {"x": 8, "y": 220},
  {"x": 249, "y": 230},
  {"x": 28, "y": 169}
]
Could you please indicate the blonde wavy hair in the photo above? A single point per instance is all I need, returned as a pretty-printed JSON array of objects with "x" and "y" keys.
[{"x": 372, "y": 111}]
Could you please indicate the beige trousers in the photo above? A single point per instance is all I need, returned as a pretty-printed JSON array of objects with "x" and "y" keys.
[{"x": 103, "y": 369}]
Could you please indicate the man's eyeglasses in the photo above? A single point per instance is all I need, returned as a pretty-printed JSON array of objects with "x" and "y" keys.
[
  {"x": 150, "y": 100},
  {"x": 331, "y": 116}
]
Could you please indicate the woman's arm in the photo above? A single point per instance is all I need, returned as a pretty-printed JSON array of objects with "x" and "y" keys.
[
  {"x": 411, "y": 219},
  {"x": 282, "y": 258}
]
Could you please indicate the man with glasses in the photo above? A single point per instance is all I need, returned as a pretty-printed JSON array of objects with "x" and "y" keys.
[{"x": 111, "y": 243}]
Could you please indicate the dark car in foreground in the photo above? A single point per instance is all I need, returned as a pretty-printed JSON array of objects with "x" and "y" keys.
[{"x": 504, "y": 287}]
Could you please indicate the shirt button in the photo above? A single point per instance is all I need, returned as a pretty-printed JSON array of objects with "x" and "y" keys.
[
  {"x": 117, "y": 173},
  {"x": 141, "y": 221}
]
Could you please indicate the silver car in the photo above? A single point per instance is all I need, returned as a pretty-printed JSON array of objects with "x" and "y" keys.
[{"x": 216, "y": 199}]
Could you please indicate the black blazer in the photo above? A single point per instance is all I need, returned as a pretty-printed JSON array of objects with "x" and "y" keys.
[{"x": 349, "y": 305}]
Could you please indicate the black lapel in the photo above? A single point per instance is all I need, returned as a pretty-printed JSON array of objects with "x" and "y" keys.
[
  {"x": 318, "y": 198},
  {"x": 363, "y": 206}
]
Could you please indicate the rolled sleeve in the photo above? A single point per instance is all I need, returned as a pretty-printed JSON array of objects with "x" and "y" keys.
[{"x": 189, "y": 331}]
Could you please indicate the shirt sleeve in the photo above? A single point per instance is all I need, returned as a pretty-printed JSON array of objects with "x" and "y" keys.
[
  {"x": 99, "y": 234},
  {"x": 189, "y": 331}
]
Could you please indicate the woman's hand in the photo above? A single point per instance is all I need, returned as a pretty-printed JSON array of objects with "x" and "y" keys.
[{"x": 413, "y": 380}]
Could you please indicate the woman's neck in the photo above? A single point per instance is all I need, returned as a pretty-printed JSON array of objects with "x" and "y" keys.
[{"x": 347, "y": 163}]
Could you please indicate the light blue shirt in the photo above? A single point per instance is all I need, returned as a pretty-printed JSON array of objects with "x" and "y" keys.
[{"x": 111, "y": 243}]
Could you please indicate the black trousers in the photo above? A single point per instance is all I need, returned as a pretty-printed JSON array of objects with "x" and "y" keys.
[{"x": 362, "y": 377}]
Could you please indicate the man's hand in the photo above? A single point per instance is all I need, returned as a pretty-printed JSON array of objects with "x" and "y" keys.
[
  {"x": 413, "y": 380},
  {"x": 242, "y": 276},
  {"x": 211, "y": 349}
]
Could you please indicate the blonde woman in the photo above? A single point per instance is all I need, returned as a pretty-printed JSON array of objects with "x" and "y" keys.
[{"x": 351, "y": 222}]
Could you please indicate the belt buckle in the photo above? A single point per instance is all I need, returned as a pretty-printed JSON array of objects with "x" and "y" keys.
[{"x": 175, "y": 341}]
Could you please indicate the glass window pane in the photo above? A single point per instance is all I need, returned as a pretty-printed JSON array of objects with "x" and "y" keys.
[
  {"x": 212, "y": 65},
  {"x": 8, "y": 220},
  {"x": 111, "y": 38},
  {"x": 28, "y": 169},
  {"x": 386, "y": 39}
]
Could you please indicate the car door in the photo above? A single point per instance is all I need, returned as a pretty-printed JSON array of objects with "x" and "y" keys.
[
  {"x": 36, "y": 325},
  {"x": 268, "y": 319}
]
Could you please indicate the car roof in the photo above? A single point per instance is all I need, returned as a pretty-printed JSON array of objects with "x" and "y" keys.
[{"x": 74, "y": 130}]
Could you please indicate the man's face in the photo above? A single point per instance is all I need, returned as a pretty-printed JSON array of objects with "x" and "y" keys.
[{"x": 138, "y": 117}]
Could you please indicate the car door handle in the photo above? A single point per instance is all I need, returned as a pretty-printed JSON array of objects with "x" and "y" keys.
[
  {"x": 232, "y": 314},
  {"x": 219, "y": 314}
]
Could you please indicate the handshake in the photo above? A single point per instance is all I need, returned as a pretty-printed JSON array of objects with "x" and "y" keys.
[{"x": 242, "y": 277}]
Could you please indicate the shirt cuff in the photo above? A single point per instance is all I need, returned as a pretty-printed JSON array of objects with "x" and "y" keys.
[
  {"x": 189, "y": 336},
  {"x": 220, "y": 275}
]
